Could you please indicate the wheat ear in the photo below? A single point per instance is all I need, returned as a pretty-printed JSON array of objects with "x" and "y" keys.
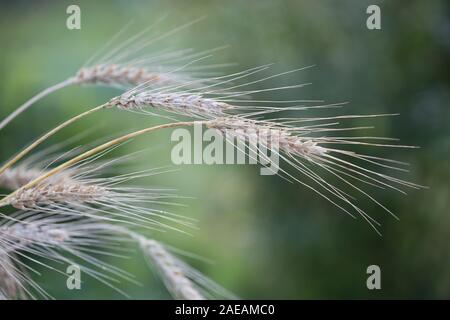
[
  {"x": 171, "y": 271},
  {"x": 14, "y": 178},
  {"x": 102, "y": 199},
  {"x": 188, "y": 104},
  {"x": 10, "y": 285},
  {"x": 54, "y": 193},
  {"x": 116, "y": 74}
]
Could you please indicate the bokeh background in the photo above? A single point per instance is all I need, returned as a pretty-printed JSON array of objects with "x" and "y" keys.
[{"x": 266, "y": 238}]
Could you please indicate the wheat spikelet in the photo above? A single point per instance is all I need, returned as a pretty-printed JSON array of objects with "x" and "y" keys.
[
  {"x": 172, "y": 273},
  {"x": 53, "y": 193},
  {"x": 24, "y": 230},
  {"x": 181, "y": 280},
  {"x": 16, "y": 235},
  {"x": 189, "y": 98},
  {"x": 193, "y": 105},
  {"x": 271, "y": 134},
  {"x": 123, "y": 75},
  {"x": 10, "y": 286},
  {"x": 208, "y": 98},
  {"x": 14, "y": 178},
  {"x": 82, "y": 191}
]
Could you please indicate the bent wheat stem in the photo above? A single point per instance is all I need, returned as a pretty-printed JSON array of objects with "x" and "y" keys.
[
  {"x": 91, "y": 152},
  {"x": 37, "y": 142}
]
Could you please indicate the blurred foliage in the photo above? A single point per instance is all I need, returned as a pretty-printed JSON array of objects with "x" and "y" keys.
[{"x": 267, "y": 238}]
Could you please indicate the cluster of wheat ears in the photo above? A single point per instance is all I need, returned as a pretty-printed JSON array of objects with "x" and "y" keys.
[{"x": 72, "y": 208}]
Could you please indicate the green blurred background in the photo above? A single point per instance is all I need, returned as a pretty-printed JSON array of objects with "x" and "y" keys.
[{"x": 266, "y": 238}]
